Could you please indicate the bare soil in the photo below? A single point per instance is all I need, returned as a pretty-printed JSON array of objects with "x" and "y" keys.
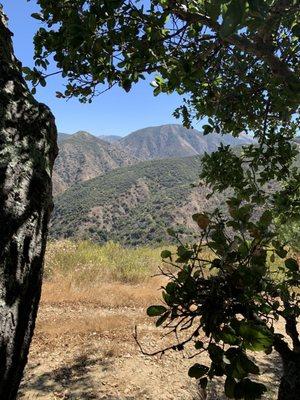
[{"x": 83, "y": 350}]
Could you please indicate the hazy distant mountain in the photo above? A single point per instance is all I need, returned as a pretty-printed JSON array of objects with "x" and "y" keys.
[
  {"x": 110, "y": 138},
  {"x": 83, "y": 156},
  {"x": 62, "y": 136},
  {"x": 175, "y": 141},
  {"x": 133, "y": 205}
]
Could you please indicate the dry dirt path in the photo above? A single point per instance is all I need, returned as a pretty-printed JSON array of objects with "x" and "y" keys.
[{"x": 84, "y": 351}]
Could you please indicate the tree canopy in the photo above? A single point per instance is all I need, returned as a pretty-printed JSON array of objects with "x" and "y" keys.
[{"x": 237, "y": 63}]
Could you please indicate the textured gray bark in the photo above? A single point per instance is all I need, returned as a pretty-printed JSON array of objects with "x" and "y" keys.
[
  {"x": 290, "y": 382},
  {"x": 27, "y": 152}
]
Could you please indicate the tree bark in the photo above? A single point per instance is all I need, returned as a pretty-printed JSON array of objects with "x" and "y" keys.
[
  {"x": 27, "y": 152},
  {"x": 289, "y": 388}
]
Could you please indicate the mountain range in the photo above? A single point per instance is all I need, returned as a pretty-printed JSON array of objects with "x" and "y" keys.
[
  {"x": 131, "y": 189},
  {"x": 168, "y": 141},
  {"x": 133, "y": 205},
  {"x": 83, "y": 156}
]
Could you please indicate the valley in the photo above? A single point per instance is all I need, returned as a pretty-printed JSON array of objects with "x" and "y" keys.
[{"x": 133, "y": 189}]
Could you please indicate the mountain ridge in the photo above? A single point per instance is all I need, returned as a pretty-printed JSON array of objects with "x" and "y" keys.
[
  {"x": 83, "y": 156},
  {"x": 174, "y": 140}
]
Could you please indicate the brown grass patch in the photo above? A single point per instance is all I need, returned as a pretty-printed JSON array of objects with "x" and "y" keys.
[
  {"x": 108, "y": 295},
  {"x": 98, "y": 324}
]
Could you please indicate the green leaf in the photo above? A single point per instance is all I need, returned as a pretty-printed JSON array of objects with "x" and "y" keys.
[
  {"x": 155, "y": 311},
  {"x": 126, "y": 85},
  {"x": 184, "y": 254},
  {"x": 207, "y": 129},
  {"x": 171, "y": 287},
  {"x": 258, "y": 7},
  {"x": 166, "y": 254},
  {"x": 255, "y": 337},
  {"x": 266, "y": 218},
  {"x": 26, "y": 71},
  {"x": 233, "y": 17},
  {"x": 202, "y": 220},
  {"x": 228, "y": 336},
  {"x": 167, "y": 298},
  {"x": 43, "y": 81},
  {"x": 292, "y": 264},
  {"x": 198, "y": 370},
  {"x": 162, "y": 319},
  {"x": 229, "y": 387},
  {"x": 214, "y": 9},
  {"x": 281, "y": 252},
  {"x": 249, "y": 365},
  {"x": 37, "y": 16},
  {"x": 296, "y": 30},
  {"x": 171, "y": 232}
]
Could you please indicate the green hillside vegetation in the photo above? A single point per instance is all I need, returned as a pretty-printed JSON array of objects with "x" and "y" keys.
[
  {"x": 135, "y": 205},
  {"x": 132, "y": 205}
]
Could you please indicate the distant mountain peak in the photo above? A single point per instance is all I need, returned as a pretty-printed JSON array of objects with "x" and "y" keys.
[
  {"x": 83, "y": 156},
  {"x": 174, "y": 140},
  {"x": 83, "y": 134},
  {"x": 110, "y": 138}
]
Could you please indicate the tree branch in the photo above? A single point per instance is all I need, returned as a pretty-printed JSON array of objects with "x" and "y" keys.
[{"x": 257, "y": 48}]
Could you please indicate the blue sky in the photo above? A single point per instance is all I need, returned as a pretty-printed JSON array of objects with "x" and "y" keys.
[{"x": 114, "y": 112}]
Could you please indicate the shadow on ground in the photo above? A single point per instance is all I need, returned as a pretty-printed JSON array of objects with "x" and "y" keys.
[
  {"x": 70, "y": 382},
  {"x": 78, "y": 381}
]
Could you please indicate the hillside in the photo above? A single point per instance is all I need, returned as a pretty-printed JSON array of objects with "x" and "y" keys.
[
  {"x": 175, "y": 141},
  {"x": 83, "y": 156},
  {"x": 132, "y": 205}
]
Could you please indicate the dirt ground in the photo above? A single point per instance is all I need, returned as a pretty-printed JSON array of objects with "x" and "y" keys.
[{"x": 83, "y": 350}]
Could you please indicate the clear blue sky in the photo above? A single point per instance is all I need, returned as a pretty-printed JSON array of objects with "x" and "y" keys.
[{"x": 114, "y": 112}]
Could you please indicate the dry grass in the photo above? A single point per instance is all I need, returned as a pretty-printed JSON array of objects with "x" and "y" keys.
[
  {"x": 87, "y": 264},
  {"x": 109, "y": 276},
  {"x": 107, "y": 295},
  {"x": 85, "y": 324}
]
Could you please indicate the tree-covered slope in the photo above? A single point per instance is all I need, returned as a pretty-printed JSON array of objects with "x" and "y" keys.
[{"x": 132, "y": 205}]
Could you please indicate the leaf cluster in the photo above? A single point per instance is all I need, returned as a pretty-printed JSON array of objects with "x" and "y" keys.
[{"x": 233, "y": 297}]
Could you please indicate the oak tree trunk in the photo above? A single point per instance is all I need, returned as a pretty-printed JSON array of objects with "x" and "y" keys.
[
  {"x": 290, "y": 382},
  {"x": 27, "y": 152}
]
